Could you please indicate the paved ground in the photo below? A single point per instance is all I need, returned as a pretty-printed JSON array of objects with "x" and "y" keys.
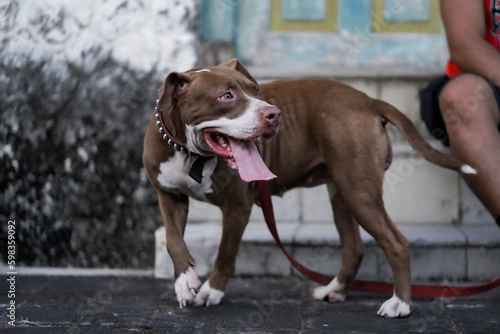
[{"x": 65, "y": 304}]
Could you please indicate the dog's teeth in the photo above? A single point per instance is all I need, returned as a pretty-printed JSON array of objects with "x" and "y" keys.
[{"x": 222, "y": 141}]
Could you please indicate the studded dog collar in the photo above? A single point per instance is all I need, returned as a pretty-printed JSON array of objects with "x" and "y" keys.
[{"x": 196, "y": 167}]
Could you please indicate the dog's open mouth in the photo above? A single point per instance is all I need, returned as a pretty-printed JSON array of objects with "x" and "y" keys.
[{"x": 241, "y": 154}]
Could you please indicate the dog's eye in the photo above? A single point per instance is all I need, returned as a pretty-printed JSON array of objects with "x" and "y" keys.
[{"x": 226, "y": 96}]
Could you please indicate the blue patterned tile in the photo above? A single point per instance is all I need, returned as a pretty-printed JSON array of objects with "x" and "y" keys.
[
  {"x": 406, "y": 10},
  {"x": 218, "y": 20},
  {"x": 310, "y": 10},
  {"x": 354, "y": 15}
]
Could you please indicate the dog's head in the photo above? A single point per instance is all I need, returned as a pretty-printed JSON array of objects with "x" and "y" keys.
[{"x": 216, "y": 111}]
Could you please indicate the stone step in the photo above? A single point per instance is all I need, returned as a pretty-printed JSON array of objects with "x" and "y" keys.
[
  {"x": 438, "y": 252},
  {"x": 415, "y": 191}
]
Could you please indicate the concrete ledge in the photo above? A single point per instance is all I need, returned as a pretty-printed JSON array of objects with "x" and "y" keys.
[
  {"x": 346, "y": 72},
  {"x": 72, "y": 271},
  {"x": 439, "y": 252},
  {"x": 415, "y": 191}
]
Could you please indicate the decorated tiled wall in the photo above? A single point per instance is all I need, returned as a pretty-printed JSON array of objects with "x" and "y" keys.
[
  {"x": 329, "y": 33},
  {"x": 404, "y": 16}
]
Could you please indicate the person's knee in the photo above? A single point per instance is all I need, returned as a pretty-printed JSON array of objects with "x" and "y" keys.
[{"x": 462, "y": 98}]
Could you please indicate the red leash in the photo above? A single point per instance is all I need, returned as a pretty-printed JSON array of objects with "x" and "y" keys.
[{"x": 365, "y": 286}]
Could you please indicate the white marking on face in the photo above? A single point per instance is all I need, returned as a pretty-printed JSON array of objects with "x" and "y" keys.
[
  {"x": 334, "y": 291},
  {"x": 394, "y": 307},
  {"x": 202, "y": 70},
  {"x": 174, "y": 176},
  {"x": 208, "y": 296},
  {"x": 186, "y": 286},
  {"x": 244, "y": 126}
]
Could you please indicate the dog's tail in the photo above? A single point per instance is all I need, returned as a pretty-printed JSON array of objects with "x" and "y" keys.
[{"x": 410, "y": 132}]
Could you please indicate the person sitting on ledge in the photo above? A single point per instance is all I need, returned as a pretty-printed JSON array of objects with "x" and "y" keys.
[{"x": 463, "y": 108}]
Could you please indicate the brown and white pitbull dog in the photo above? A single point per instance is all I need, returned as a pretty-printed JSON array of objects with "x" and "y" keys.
[{"x": 329, "y": 133}]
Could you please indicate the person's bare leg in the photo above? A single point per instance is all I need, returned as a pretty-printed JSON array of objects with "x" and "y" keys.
[{"x": 472, "y": 117}]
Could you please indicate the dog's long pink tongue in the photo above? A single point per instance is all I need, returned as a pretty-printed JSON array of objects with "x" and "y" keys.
[{"x": 249, "y": 162}]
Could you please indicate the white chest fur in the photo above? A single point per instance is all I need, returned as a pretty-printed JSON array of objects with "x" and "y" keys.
[{"x": 174, "y": 176}]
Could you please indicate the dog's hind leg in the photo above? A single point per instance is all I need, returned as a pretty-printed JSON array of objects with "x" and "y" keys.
[
  {"x": 357, "y": 159},
  {"x": 352, "y": 250},
  {"x": 367, "y": 207}
]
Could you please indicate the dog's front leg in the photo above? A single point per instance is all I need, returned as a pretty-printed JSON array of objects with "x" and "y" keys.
[
  {"x": 174, "y": 210},
  {"x": 234, "y": 222}
]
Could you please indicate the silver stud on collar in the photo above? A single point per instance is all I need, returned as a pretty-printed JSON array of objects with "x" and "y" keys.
[{"x": 166, "y": 137}]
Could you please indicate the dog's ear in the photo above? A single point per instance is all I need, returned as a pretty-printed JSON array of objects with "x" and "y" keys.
[
  {"x": 173, "y": 81},
  {"x": 236, "y": 65}
]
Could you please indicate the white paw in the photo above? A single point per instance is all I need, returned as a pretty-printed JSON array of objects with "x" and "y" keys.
[
  {"x": 332, "y": 291},
  {"x": 394, "y": 308},
  {"x": 208, "y": 296},
  {"x": 186, "y": 286},
  {"x": 336, "y": 297}
]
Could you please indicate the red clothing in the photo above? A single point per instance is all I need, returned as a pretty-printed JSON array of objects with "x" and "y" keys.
[{"x": 492, "y": 34}]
